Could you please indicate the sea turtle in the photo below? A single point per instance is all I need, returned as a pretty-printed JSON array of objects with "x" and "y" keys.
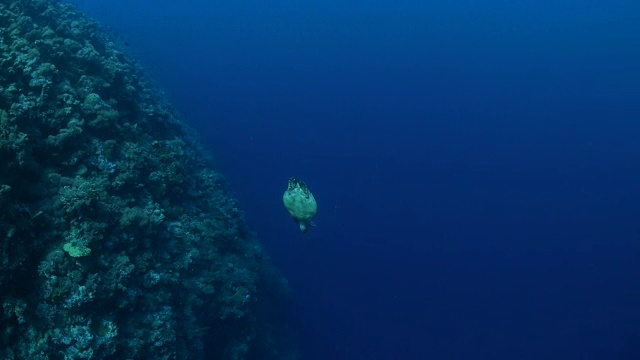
[{"x": 300, "y": 203}]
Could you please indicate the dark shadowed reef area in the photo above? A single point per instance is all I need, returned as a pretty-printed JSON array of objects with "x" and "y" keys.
[{"x": 119, "y": 240}]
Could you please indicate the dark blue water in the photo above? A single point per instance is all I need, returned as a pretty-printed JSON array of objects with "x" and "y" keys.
[{"x": 476, "y": 163}]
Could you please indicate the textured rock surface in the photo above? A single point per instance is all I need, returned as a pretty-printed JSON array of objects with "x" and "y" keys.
[{"x": 119, "y": 241}]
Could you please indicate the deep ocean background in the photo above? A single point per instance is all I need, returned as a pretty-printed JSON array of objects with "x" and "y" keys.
[{"x": 476, "y": 163}]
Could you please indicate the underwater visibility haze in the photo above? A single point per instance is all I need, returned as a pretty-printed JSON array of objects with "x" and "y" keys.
[{"x": 465, "y": 175}]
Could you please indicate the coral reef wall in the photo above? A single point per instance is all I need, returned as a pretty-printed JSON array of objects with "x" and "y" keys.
[{"x": 119, "y": 241}]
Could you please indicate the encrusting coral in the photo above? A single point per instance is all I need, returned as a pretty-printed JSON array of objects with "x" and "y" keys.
[{"x": 119, "y": 241}]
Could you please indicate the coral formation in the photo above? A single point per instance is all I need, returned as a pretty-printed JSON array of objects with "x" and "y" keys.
[{"x": 119, "y": 241}]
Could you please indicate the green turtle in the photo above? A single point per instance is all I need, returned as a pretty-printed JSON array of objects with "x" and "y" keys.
[{"x": 300, "y": 203}]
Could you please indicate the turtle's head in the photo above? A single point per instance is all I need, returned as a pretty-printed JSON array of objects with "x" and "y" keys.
[{"x": 304, "y": 225}]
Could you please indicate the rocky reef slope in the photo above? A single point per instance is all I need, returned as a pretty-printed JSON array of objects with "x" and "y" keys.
[{"x": 119, "y": 241}]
